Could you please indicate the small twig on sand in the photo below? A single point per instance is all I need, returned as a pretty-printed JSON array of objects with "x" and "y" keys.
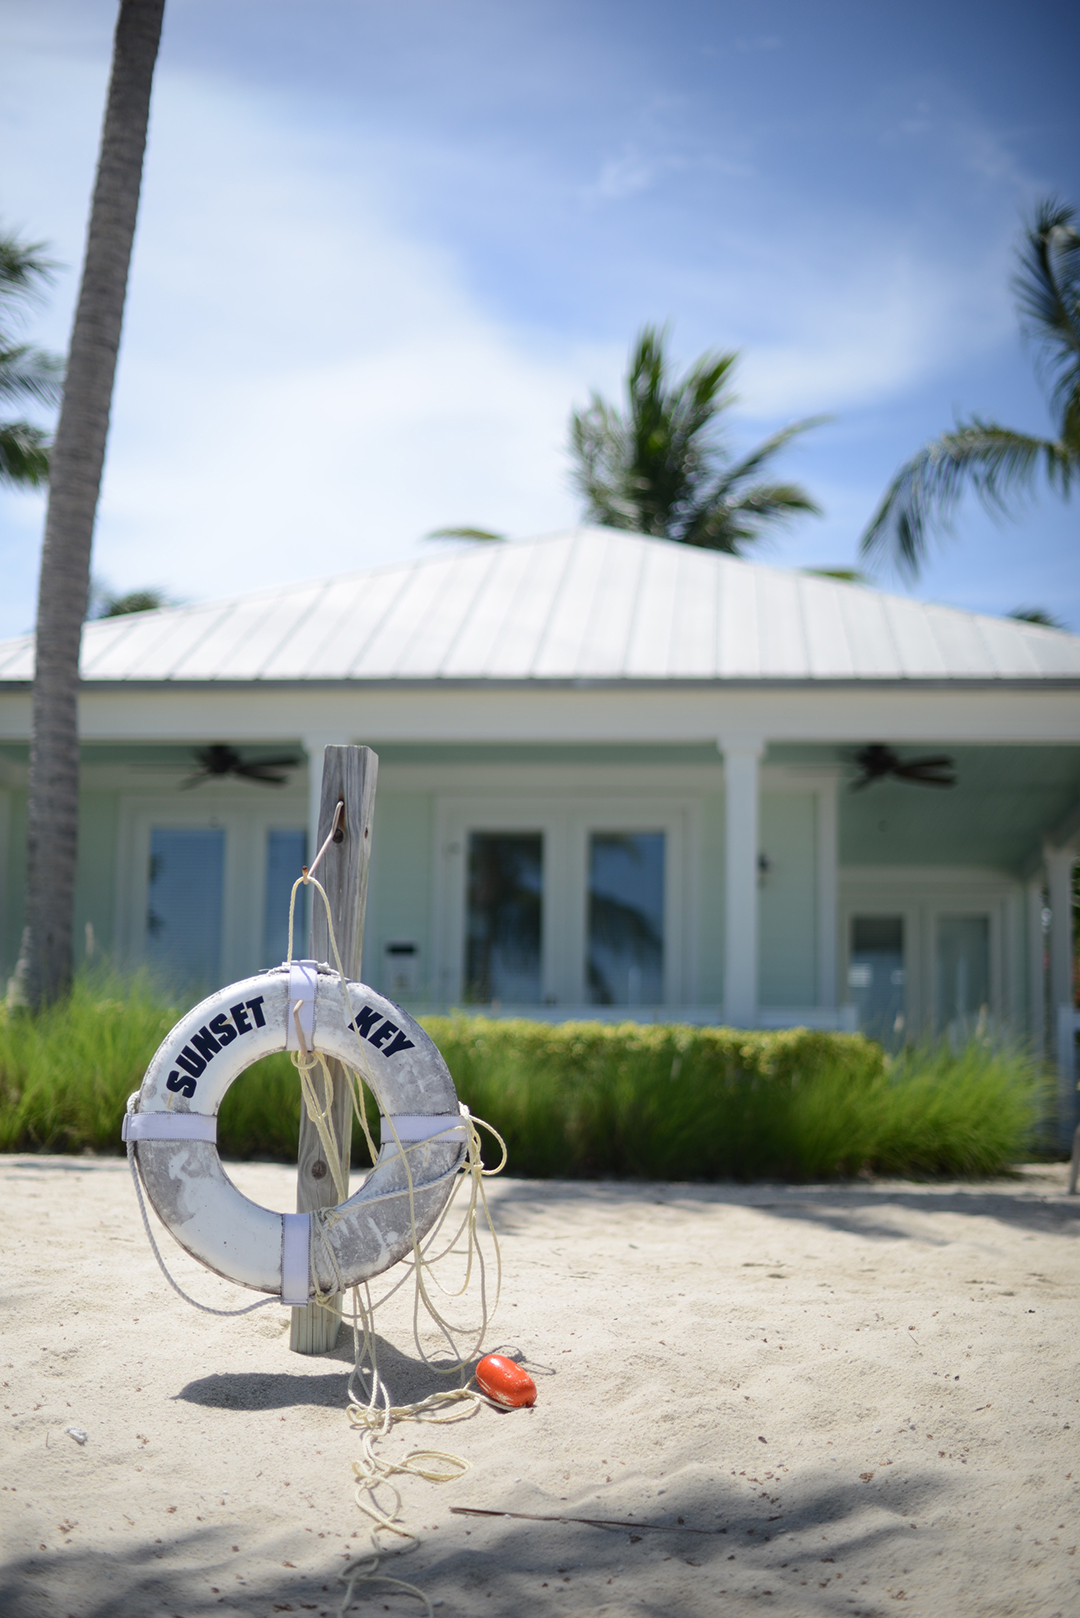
[{"x": 590, "y": 1522}]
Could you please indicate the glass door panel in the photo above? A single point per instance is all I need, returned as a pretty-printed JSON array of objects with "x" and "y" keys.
[
  {"x": 876, "y": 976},
  {"x": 962, "y": 969},
  {"x": 184, "y": 903},
  {"x": 625, "y": 943},
  {"x": 504, "y": 918}
]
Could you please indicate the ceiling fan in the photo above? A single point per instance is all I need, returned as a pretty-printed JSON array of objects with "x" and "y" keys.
[
  {"x": 218, "y": 761},
  {"x": 878, "y": 762}
]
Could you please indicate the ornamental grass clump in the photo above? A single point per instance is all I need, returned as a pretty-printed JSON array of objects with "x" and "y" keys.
[
  {"x": 66, "y": 1071},
  {"x": 966, "y": 1111}
]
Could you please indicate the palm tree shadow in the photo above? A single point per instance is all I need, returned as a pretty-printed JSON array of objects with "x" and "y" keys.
[
  {"x": 855, "y": 1208},
  {"x": 406, "y": 1376},
  {"x": 729, "y": 1539}
]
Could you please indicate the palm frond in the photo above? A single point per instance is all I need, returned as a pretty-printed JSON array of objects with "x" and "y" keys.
[
  {"x": 661, "y": 466},
  {"x": 998, "y": 464},
  {"x": 25, "y": 270},
  {"x": 845, "y": 575},
  {"x": 30, "y": 373},
  {"x": 733, "y": 476},
  {"x": 26, "y": 373},
  {"x": 1047, "y": 287},
  {"x": 485, "y": 536},
  {"x": 597, "y": 443},
  {"x": 731, "y": 525},
  {"x": 122, "y": 606},
  {"x": 780, "y": 500},
  {"x": 24, "y": 454},
  {"x": 1036, "y": 615}
]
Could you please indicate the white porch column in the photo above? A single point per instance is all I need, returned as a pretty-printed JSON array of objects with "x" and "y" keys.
[
  {"x": 741, "y": 755},
  {"x": 1059, "y": 869},
  {"x": 1036, "y": 973}
]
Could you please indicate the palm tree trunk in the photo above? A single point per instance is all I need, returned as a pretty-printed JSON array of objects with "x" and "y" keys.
[{"x": 45, "y": 961}]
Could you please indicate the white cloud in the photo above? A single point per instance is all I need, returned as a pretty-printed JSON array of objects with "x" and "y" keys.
[
  {"x": 623, "y": 176},
  {"x": 303, "y": 388},
  {"x": 875, "y": 327},
  {"x": 309, "y": 382}
]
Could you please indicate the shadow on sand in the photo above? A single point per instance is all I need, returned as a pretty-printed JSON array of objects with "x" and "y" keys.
[
  {"x": 503, "y": 1568},
  {"x": 406, "y": 1376},
  {"x": 855, "y": 1207}
]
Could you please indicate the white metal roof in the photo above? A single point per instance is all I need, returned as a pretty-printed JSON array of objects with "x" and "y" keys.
[{"x": 588, "y": 604}]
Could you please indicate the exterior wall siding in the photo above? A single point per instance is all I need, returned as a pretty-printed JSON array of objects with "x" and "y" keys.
[
  {"x": 95, "y": 877},
  {"x": 400, "y": 892},
  {"x": 787, "y": 899},
  {"x": 711, "y": 911},
  {"x": 14, "y": 887}
]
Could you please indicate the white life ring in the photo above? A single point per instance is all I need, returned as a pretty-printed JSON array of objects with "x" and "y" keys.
[{"x": 173, "y": 1122}]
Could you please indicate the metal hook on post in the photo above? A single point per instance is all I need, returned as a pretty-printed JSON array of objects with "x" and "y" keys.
[{"x": 336, "y": 835}]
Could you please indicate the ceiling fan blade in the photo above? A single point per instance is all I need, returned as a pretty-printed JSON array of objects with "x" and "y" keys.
[
  {"x": 922, "y": 776},
  {"x": 260, "y": 772},
  {"x": 279, "y": 761}
]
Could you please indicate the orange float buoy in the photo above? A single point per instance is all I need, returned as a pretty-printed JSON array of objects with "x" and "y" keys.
[{"x": 504, "y": 1381}]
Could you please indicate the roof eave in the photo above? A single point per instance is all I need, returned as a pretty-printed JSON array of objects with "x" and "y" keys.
[{"x": 1030, "y": 682}]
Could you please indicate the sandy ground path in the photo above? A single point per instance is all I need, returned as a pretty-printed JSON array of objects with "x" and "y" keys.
[{"x": 853, "y": 1399}]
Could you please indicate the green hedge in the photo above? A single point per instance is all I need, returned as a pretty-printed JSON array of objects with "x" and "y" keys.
[{"x": 571, "y": 1099}]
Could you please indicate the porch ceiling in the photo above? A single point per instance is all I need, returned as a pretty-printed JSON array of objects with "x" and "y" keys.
[{"x": 1006, "y": 802}]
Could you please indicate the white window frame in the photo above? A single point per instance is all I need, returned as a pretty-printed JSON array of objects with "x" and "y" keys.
[
  {"x": 565, "y": 826},
  {"x": 243, "y": 909}
]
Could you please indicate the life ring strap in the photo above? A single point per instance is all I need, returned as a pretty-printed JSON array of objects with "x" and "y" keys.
[
  {"x": 169, "y": 1126},
  {"x": 414, "y": 1126},
  {"x": 303, "y": 986},
  {"x": 295, "y": 1260}
]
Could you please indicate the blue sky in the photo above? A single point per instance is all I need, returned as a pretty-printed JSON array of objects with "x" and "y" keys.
[{"x": 385, "y": 245}]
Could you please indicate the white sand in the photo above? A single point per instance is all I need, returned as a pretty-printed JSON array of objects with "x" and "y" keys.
[{"x": 866, "y": 1395}]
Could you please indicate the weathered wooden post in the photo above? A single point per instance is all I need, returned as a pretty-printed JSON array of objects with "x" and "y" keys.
[{"x": 348, "y": 778}]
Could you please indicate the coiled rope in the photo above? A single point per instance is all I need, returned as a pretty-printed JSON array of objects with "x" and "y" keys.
[{"x": 375, "y": 1416}]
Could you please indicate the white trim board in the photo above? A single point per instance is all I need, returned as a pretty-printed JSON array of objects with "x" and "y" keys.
[{"x": 951, "y": 712}]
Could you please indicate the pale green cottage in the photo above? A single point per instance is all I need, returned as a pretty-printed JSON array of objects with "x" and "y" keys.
[{"x": 616, "y": 779}]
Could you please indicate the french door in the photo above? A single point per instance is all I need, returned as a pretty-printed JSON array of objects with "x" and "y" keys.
[{"x": 562, "y": 905}]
